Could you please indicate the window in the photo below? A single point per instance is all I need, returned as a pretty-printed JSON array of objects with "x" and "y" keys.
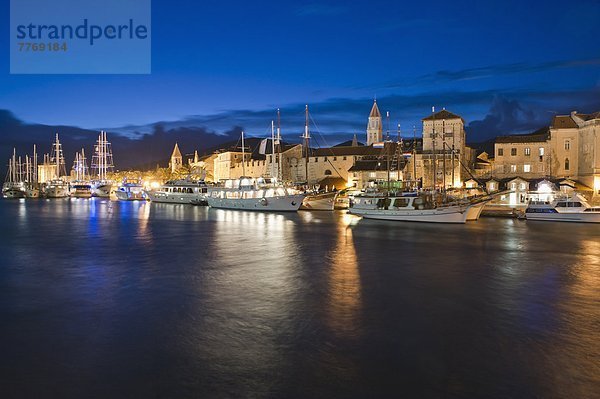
[
  {"x": 344, "y": 158},
  {"x": 527, "y": 168},
  {"x": 492, "y": 186},
  {"x": 513, "y": 152},
  {"x": 523, "y": 186},
  {"x": 316, "y": 159},
  {"x": 325, "y": 159},
  {"x": 567, "y": 145},
  {"x": 335, "y": 158},
  {"x": 327, "y": 172},
  {"x": 372, "y": 175},
  {"x": 527, "y": 151},
  {"x": 541, "y": 152},
  {"x": 567, "y": 164},
  {"x": 500, "y": 152},
  {"x": 513, "y": 168}
]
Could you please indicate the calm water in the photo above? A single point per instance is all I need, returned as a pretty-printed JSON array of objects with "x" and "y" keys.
[{"x": 138, "y": 300}]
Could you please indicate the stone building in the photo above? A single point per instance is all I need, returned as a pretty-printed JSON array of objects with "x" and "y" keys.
[
  {"x": 176, "y": 162},
  {"x": 567, "y": 149}
]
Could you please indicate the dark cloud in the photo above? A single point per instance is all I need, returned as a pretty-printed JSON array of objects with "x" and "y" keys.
[{"x": 446, "y": 76}]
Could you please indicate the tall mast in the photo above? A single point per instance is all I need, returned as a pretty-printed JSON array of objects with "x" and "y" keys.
[
  {"x": 35, "y": 165},
  {"x": 279, "y": 164},
  {"x": 414, "y": 154},
  {"x": 434, "y": 155},
  {"x": 444, "y": 153},
  {"x": 243, "y": 156},
  {"x": 306, "y": 138},
  {"x": 84, "y": 164},
  {"x": 14, "y": 165},
  {"x": 272, "y": 149}
]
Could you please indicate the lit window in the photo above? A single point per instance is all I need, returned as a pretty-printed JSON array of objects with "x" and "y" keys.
[
  {"x": 527, "y": 168},
  {"x": 513, "y": 168},
  {"x": 527, "y": 151},
  {"x": 541, "y": 151}
]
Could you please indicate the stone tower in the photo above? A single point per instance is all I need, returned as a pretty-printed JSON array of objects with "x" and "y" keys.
[
  {"x": 375, "y": 126},
  {"x": 176, "y": 159}
]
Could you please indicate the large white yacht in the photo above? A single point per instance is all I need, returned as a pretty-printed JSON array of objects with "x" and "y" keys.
[
  {"x": 262, "y": 194},
  {"x": 573, "y": 208},
  {"x": 13, "y": 187},
  {"x": 408, "y": 207},
  {"x": 131, "y": 190},
  {"x": 180, "y": 192}
]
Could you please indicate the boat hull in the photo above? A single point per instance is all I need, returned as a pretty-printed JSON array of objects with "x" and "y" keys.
[
  {"x": 13, "y": 193},
  {"x": 474, "y": 211},
  {"x": 176, "y": 198},
  {"x": 319, "y": 202},
  {"x": 290, "y": 203},
  {"x": 130, "y": 196},
  {"x": 102, "y": 190},
  {"x": 439, "y": 215},
  {"x": 57, "y": 192},
  {"x": 583, "y": 217}
]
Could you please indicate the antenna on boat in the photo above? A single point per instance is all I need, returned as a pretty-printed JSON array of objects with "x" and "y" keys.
[
  {"x": 279, "y": 165},
  {"x": 272, "y": 149}
]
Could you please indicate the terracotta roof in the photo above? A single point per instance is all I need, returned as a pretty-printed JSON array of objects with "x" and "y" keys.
[
  {"x": 443, "y": 114},
  {"x": 538, "y": 136},
  {"x": 563, "y": 122}
]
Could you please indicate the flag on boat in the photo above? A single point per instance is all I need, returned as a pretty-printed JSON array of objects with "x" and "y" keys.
[{"x": 263, "y": 146}]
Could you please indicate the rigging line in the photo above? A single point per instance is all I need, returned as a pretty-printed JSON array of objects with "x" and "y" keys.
[{"x": 328, "y": 147}]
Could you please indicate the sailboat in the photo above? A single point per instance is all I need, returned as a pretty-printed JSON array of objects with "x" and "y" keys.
[
  {"x": 81, "y": 186},
  {"x": 424, "y": 206},
  {"x": 32, "y": 187},
  {"x": 102, "y": 164},
  {"x": 247, "y": 193},
  {"x": 315, "y": 200},
  {"x": 13, "y": 187},
  {"x": 57, "y": 187}
]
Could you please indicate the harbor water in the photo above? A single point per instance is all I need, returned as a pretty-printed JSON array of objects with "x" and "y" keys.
[{"x": 102, "y": 299}]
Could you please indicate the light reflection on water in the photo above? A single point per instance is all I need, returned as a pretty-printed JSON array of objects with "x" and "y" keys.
[{"x": 109, "y": 295}]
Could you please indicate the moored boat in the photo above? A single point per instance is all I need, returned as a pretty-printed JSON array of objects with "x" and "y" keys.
[
  {"x": 131, "y": 190},
  {"x": 408, "y": 207},
  {"x": 320, "y": 201},
  {"x": 566, "y": 209},
  {"x": 180, "y": 192},
  {"x": 254, "y": 195}
]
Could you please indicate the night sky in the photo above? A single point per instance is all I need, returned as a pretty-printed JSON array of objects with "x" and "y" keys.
[{"x": 505, "y": 66}]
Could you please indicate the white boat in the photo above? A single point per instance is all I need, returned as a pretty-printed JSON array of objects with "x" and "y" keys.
[
  {"x": 566, "y": 209},
  {"x": 180, "y": 192},
  {"x": 32, "y": 191},
  {"x": 407, "y": 208},
  {"x": 131, "y": 190},
  {"x": 101, "y": 188},
  {"x": 12, "y": 187},
  {"x": 10, "y": 191},
  {"x": 57, "y": 188},
  {"x": 102, "y": 164},
  {"x": 250, "y": 194},
  {"x": 81, "y": 187},
  {"x": 320, "y": 201}
]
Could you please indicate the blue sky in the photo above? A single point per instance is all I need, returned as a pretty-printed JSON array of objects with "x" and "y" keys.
[{"x": 505, "y": 66}]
